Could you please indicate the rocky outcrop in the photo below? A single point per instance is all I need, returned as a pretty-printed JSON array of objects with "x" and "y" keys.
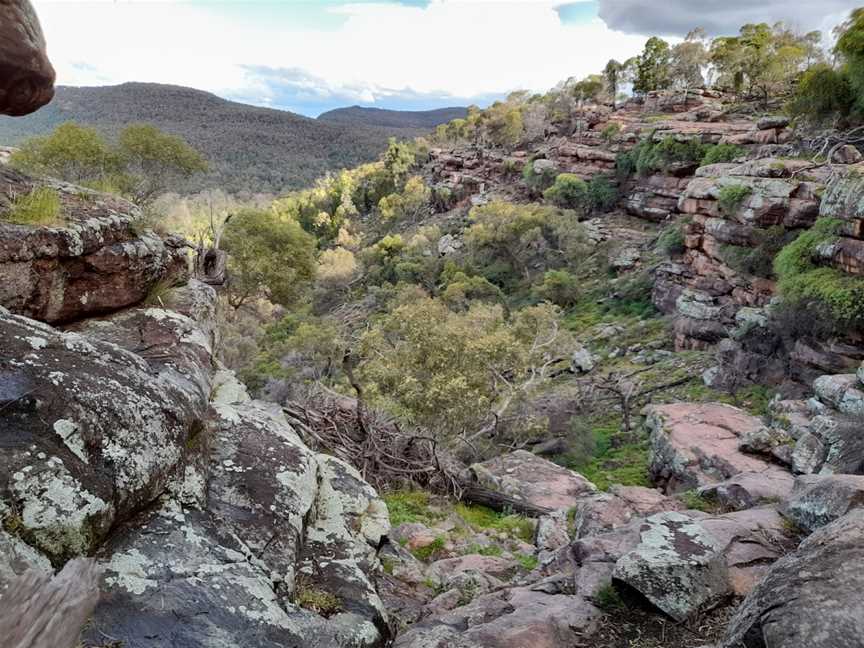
[
  {"x": 214, "y": 524},
  {"x": 95, "y": 259},
  {"x": 528, "y": 478},
  {"x": 811, "y": 598},
  {"x": 696, "y": 445}
]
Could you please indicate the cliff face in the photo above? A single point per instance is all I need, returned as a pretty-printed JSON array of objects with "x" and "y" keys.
[{"x": 123, "y": 439}]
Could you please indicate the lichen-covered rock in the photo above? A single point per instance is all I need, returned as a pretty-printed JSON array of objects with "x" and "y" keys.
[
  {"x": 830, "y": 443},
  {"x": 684, "y": 562},
  {"x": 696, "y": 444},
  {"x": 678, "y": 566},
  {"x": 602, "y": 512},
  {"x": 841, "y": 392},
  {"x": 92, "y": 430},
  {"x": 811, "y": 598},
  {"x": 819, "y": 500},
  {"x": 530, "y": 478},
  {"x": 94, "y": 262}
]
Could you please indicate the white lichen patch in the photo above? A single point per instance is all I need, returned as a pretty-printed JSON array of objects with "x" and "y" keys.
[
  {"x": 77, "y": 343},
  {"x": 68, "y": 431},
  {"x": 36, "y": 342},
  {"x": 128, "y": 570}
]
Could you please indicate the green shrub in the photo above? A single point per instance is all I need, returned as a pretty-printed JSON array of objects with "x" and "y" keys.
[
  {"x": 822, "y": 95},
  {"x": 612, "y": 129},
  {"x": 757, "y": 260},
  {"x": 608, "y": 599},
  {"x": 482, "y": 517},
  {"x": 430, "y": 551},
  {"x": 671, "y": 240},
  {"x": 602, "y": 195},
  {"x": 650, "y": 156},
  {"x": 806, "y": 286},
  {"x": 722, "y": 153},
  {"x": 527, "y": 561},
  {"x": 732, "y": 197},
  {"x": 538, "y": 181},
  {"x": 559, "y": 287},
  {"x": 315, "y": 599},
  {"x": 568, "y": 191},
  {"x": 39, "y": 207}
]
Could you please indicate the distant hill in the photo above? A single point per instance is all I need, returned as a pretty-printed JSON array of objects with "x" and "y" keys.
[
  {"x": 424, "y": 120},
  {"x": 249, "y": 148}
]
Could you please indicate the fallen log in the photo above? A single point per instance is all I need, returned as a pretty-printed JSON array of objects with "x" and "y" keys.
[{"x": 497, "y": 501}]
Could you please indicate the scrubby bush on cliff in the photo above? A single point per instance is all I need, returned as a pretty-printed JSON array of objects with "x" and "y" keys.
[
  {"x": 41, "y": 206},
  {"x": 408, "y": 204},
  {"x": 722, "y": 153},
  {"x": 758, "y": 259},
  {"x": 731, "y": 197},
  {"x": 670, "y": 241},
  {"x": 804, "y": 284},
  {"x": 568, "y": 191},
  {"x": 535, "y": 181},
  {"x": 650, "y": 156},
  {"x": 823, "y": 95}
]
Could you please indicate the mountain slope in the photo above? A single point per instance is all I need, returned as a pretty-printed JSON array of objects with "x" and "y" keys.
[
  {"x": 420, "y": 119},
  {"x": 249, "y": 148}
]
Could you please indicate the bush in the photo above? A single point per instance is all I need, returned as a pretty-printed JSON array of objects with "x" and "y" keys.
[
  {"x": 611, "y": 130},
  {"x": 758, "y": 260},
  {"x": 804, "y": 285},
  {"x": 722, "y": 153},
  {"x": 822, "y": 95},
  {"x": 538, "y": 181},
  {"x": 559, "y": 287},
  {"x": 671, "y": 240},
  {"x": 568, "y": 191},
  {"x": 650, "y": 156},
  {"x": 732, "y": 197},
  {"x": 602, "y": 195},
  {"x": 39, "y": 207}
]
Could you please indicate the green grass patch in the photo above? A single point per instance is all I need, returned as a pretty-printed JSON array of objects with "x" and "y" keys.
[
  {"x": 732, "y": 196},
  {"x": 430, "y": 551},
  {"x": 483, "y": 550},
  {"x": 608, "y": 599},
  {"x": 41, "y": 206},
  {"x": 528, "y": 562},
  {"x": 482, "y": 517},
  {"x": 410, "y": 506}
]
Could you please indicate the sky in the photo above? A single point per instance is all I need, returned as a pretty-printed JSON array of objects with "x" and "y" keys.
[{"x": 309, "y": 56}]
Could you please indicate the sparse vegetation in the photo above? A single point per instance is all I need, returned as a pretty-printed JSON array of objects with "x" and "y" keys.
[
  {"x": 313, "y": 598},
  {"x": 732, "y": 196},
  {"x": 41, "y": 206}
]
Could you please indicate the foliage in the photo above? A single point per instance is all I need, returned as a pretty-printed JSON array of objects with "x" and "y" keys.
[
  {"x": 320, "y": 601},
  {"x": 610, "y": 131},
  {"x": 538, "y": 181},
  {"x": 509, "y": 243},
  {"x": 463, "y": 289},
  {"x": 144, "y": 161},
  {"x": 41, "y": 206},
  {"x": 444, "y": 371},
  {"x": 823, "y": 95},
  {"x": 430, "y": 551},
  {"x": 688, "y": 59},
  {"x": 670, "y": 241},
  {"x": 409, "y": 506},
  {"x": 696, "y": 502},
  {"x": 804, "y": 284},
  {"x": 528, "y": 562},
  {"x": 757, "y": 260},
  {"x": 850, "y": 47},
  {"x": 722, "y": 153},
  {"x": 763, "y": 60},
  {"x": 732, "y": 196},
  {"x": 559, "y": 287},
  {"x": 482, "y": 517},
  {"x": 602, "y": 195},
  {"x": 652, "y": 67},
  {"x": 154, "y": 161},
  {"x": 268, "y": 255},
  {"x": 650, "y": 156},
  {"x": 408, "y": 204},
  {"x": 568, "y": 191},
  {"x": 608, "y": 599}
]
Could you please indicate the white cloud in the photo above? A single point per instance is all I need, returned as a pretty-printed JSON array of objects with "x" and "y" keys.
[{"x": 462, "y": 48}]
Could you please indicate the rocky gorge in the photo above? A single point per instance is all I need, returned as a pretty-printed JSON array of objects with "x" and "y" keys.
[{"x": 215, "y": 523}]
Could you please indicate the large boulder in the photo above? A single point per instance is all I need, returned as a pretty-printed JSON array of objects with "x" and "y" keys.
[
  {"x": 529, "y": 478},
  {"x": 810, "y": 598},
  {"x": 92, "y": 431},
  {"x": 98, "y": 259},
  {"x": 748, "y": 489},
  {"x": 686, "y": 561},
  {"x": 696, "y": 444}
]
